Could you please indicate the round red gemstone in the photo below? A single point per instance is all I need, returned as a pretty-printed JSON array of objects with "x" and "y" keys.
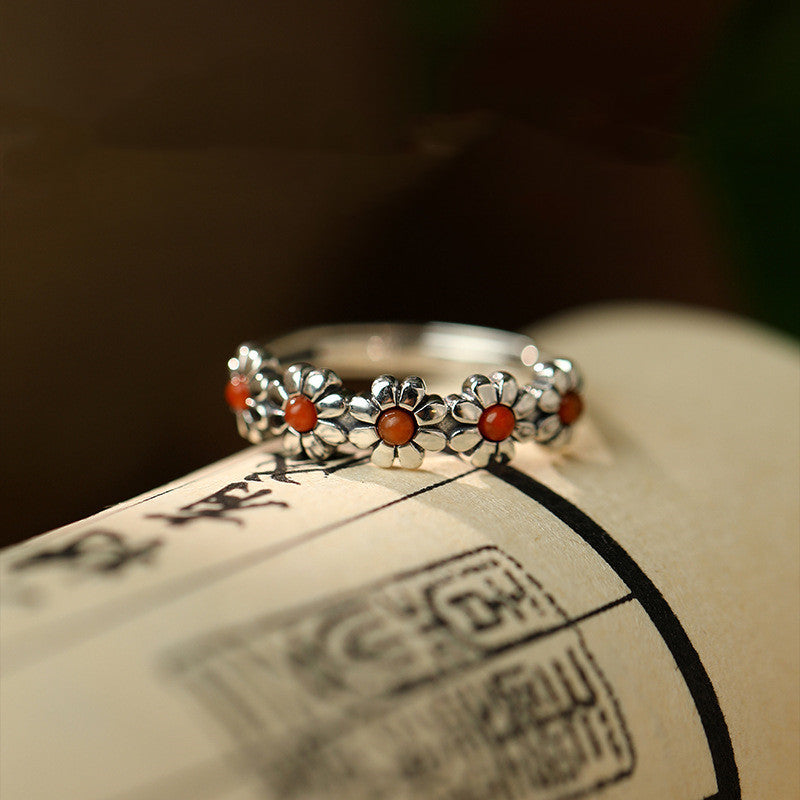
[
  {"x": 237, "y": 393},
  {"x": 300, "y": 414},
  {"x": 396, "y": 426},
  {"x": 571, "y": 408},
  {"x": 496, "y": 423}
]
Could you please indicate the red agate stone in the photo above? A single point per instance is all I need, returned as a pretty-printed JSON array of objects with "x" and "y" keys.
[
  {"x": 237, "y": 393},
  {"x": 496, "y": 423},
  {"x": 396, "y": 426},
  {"x": 571, "y": 408},
  {"x": 300, "y": 414}
]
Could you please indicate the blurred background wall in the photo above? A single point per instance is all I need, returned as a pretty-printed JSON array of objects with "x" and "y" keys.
[{"x": 178, "y": 177}]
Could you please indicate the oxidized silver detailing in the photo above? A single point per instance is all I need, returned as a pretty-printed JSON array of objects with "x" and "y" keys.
[
  {"x": 387, "y": 393},
  {"x": 323, "y": 388},
  {"x": 479, "y": 394},
  {"x": 257, "y": 368},
  {"x": 543, "y": 407}
]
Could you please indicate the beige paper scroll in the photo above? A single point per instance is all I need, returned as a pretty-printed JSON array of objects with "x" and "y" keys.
[{"x": 617, "y": 622}]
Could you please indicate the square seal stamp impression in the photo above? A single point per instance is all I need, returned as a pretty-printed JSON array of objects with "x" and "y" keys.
[{"x": 459, "y": 679}]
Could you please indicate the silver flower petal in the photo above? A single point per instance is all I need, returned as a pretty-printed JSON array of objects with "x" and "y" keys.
[
  {"x": 562, "y": 381},
  {"x": 277, "y": 394},
  {"x": 432, "y": 410},
  {"x": 574, "y": 374},
  {"x": 277, "y": 422},
  {"x": 252, "y": 434},
  {"x": 464, "y": 410},
  {"x": 430, "y": 439},
  {"x": 487, "y": 394},
  {"x": 315, "y": 447},
  {"x": 384, "y": 391},
  {"x": 259, "y": 387},
  {"x": 247, "y": 359},
  {"x": 505, "y": 450},
  {"x": 465, "y": 439},
  {"x": 545, "y": 371},
  {"x": 364, "y": 408},
  {"x": 480, "y": 387},
  {"x": 507, "y": 388},
  {"x": 567, "y": 378},
  {"x": 484, "y": 453},
  {"x": 525, "y": 404},
  {"x": 549, "y": 400},
  {"x": 254, "y": 418},
  {"x": 560, "y": 374},
  {"x": 255, "y": 358},
  {"x": 411, "y": 391},
  {"x": 547, "y": 428},
  {"x": 363, "y": 436},
  {"x": 330, "y": 433},
  {"x": 260, "y": 418},
  {"x": 292, "y": 445},
  {"x": 410, "y": 455},
  {"x": 383, "y": 455},
  {"x": 317, "y": 381},
  {"x": 523, "y": 430},
  {"x": 294, "y": 376},
  {"x": 331, "y": 404}
]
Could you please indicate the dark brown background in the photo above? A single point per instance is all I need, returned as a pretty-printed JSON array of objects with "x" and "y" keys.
[{"x": 178, "y": 177}]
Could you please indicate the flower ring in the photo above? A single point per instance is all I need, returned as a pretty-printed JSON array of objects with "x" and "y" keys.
[
  {"x": 307, "y": 406},
  {"x": 490, "y": 413},
  {"x": 250, "y": 372},
  {"x": 556, "y": 388},
  {"x": 274, "y": 392},
  {"x": 398, "y": 421}
]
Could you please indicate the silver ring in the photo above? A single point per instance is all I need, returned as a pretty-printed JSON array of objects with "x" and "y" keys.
[{"x": 281, "y": 388}]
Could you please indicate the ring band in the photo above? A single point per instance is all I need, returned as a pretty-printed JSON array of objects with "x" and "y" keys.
[{"x": 280, "y": 389}]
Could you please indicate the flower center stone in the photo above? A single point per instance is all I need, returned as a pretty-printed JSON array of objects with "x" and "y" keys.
[
  {"x": 396, "y": 426},
  {"x": 300, "y": 414},
  {"x": 237, "y": 393},
  {"x": 571, "y": 408},
  {"x": 496, "y": 423}
]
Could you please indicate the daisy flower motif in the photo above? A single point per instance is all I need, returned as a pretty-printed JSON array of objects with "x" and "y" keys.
[
  {"x": 398, "y": 421},
  {"x": 307, "y": 407},
  {"x": 251, "y": 370},
  {"x": 489, "y": 414},
  {"x": 556, "y": 389}
]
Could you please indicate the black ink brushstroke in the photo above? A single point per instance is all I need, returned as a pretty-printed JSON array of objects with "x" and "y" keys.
[
  {"x": 96, "y": 550},
  {"x": 220, "y": 505},
  {"x": 281, "y": 471},
  {"x": 661, "y": 615}
]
